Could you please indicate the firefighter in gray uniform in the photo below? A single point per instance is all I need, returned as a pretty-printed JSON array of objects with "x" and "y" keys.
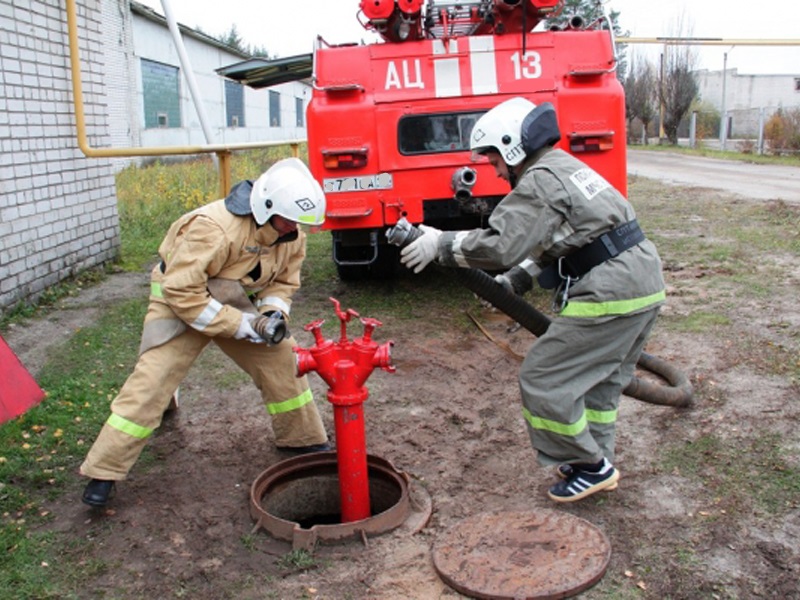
[{"x": 568, "y": 228}]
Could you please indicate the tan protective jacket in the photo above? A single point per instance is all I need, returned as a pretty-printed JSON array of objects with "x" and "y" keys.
[{"x": 211, "y": 242}]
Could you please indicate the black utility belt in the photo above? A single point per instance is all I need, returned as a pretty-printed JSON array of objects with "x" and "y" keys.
[{"x": 607, "y": 246}]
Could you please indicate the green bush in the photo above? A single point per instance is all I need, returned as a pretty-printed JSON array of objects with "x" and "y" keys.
[{"x": 782, "y": 131}]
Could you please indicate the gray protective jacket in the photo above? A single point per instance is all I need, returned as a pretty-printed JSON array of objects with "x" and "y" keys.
[{"x": 559, "y": 205}]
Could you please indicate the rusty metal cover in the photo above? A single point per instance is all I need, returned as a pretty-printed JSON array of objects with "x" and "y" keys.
[{"x": 516, "y": 555}]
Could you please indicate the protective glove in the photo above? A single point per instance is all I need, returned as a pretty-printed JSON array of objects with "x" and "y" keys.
[
  {"x": 422, "y": 251},
  {"x": 246, "y": 331},
  {"x": 517, "y": 280}
]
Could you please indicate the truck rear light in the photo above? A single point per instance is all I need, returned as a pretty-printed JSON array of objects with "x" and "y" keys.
[
  {"x": 344, "y": 159},
  {"x": 591, "y": 142}
]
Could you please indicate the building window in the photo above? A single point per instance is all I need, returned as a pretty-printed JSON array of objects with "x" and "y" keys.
[
  {"x": 234, "y": 103},
  {"x": 298, "y": 107},
  {"x": 274, "y": 109},
  {"x": 161, "y": 93}
]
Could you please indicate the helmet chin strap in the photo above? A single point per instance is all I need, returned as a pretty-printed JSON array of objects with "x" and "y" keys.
[
  {"x": 512, "y": 179},
  {"x": 513, "y": 176},
  {"x": 287, "y": 237}
]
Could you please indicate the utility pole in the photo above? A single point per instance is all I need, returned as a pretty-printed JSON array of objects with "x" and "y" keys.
[
  {"x": 661, "y": 108},
  {"x": 723, "y": 126}
]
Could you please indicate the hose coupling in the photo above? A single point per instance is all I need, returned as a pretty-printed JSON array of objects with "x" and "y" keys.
[
  {"x": 462, "y": 182},
  {"x": 403, "y": 233}
]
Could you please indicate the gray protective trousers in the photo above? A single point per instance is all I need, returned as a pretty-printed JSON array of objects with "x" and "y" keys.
[{"x": 571, "y": 382}]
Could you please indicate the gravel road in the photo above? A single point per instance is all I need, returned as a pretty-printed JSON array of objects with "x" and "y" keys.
[{"x": 760, "y": 182}]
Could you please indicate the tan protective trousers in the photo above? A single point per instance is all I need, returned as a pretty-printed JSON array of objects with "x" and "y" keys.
[
  {"x": 571, "y": 381},
  {"x": 138, "y": 408}
]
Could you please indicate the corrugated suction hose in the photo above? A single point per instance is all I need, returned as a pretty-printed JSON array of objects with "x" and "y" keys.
[{"x": 678, "y": 393}]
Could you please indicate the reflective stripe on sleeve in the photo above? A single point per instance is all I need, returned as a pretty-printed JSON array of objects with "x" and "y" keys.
[
  {"x": 576, "y": 308},
  {"x": 129, "y": 427},
  {"x": 282, "y": 305},
  {"x": 458, "y": 256},
  {"x": 290, "y": 404},
  {"x": 570, "y": 429},
  {"x": 209, "y": 312},
  {"x": 155, "y": 290}
]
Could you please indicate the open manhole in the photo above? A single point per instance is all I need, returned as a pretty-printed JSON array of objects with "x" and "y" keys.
[
  {"x": 298, "y": 500},
  {"x": 522, "y": 555}
]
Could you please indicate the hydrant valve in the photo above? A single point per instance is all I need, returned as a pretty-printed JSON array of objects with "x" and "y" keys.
[{"x": 345, "y": 367}]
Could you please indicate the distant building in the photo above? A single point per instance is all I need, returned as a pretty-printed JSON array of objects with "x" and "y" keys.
[
  {"x": 748, "y": 98},
  {"x": 58, "y": 211},
  {"x": 147, "y": 81}
]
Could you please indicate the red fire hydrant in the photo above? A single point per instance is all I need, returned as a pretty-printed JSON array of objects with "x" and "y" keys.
[{"x": 345, "y": 366}]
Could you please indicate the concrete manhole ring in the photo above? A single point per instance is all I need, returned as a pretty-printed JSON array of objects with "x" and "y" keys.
[{"x": 514, "y": 555}]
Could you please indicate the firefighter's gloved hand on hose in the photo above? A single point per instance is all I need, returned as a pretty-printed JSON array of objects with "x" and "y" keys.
[
  {"x": 246, "y": 331},
  {"x": 422, "y": 251},
  {"x": 517, "y": 280}
]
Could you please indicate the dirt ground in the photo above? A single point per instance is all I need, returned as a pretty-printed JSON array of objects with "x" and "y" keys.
[{"x": 450, "y": 418}]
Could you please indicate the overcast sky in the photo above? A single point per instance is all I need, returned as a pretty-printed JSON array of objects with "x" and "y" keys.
[{"x": 289, "y": 27}]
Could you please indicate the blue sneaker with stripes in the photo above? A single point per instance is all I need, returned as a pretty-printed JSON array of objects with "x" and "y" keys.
[
  {"x": 580, "y": 483},
  {"x": 565, "y": 470}
]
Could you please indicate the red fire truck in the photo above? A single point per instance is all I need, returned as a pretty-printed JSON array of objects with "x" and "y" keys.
[{"x": 389, "y": 122}]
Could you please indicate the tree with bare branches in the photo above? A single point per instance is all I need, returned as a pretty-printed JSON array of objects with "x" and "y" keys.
[
  {"x": 641, "y": 93},
  {"x": 678, "y": 87}
]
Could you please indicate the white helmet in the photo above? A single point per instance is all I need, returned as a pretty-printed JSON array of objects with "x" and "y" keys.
[
  {"x": 500, "y": 129},
  {"x": 288, "y": 189}
]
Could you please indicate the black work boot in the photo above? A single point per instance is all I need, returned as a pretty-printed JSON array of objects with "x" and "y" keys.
[
  {"x": 324, "y": 447},
  {"x": 98, "y": 492}
]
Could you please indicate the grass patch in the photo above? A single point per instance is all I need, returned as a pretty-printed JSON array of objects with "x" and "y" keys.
[
  {"x": 718, "y": 254},
  {"x": 699, "y": 322},
  {"x": 40, "y": 450},
  {"x": 297, "y": 560},
  {"x": 754, "y": 473}
]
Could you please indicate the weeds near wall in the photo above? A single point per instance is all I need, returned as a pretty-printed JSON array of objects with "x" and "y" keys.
[{"x": 150, "y": 198}]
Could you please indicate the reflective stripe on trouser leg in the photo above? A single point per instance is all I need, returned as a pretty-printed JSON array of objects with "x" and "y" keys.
[
  {"x": 290, "y": 403},
  {"x": 568, "y": 361},
  {"x": 603, "y": 399},
  {"x": 138, "y": 408}
]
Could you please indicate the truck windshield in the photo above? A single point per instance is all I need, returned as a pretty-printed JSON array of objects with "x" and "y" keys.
[{"x": 429, "y": 134}]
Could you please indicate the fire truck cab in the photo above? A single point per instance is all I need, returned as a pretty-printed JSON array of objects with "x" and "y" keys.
[{"x": 389, "y": 122}]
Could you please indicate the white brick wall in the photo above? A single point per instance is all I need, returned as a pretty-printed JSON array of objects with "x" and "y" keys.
[{"x": 58, "y": 212}]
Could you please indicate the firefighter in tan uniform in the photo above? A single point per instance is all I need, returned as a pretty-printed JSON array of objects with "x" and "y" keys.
[
  {"x": 222, "y": 266},
  {"x": 563, "y": 224}
]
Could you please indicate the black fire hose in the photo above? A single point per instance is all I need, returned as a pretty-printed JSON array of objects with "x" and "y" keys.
[{"x": 678, "y": 393}]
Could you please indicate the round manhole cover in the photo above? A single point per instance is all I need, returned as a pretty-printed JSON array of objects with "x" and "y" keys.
[{"x": 516, "y": 555}]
